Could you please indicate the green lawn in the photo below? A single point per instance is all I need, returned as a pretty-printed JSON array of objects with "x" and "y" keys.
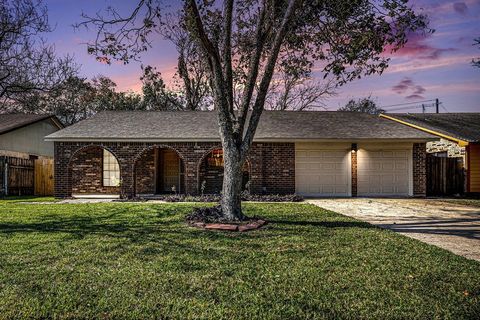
[{"x": 121, "y": 260}]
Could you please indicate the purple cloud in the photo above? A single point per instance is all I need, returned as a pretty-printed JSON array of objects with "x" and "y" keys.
[
  {"x": 419, "y": 90},
  {"x": 408, "y": 86},
  {"x": 460, "y": 7},
  {"x": 414, "y": 97},
  {"x": 403, "y": 86}
]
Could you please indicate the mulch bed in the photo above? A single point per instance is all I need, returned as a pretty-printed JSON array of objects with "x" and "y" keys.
[
  {"x": 211, "y": 219},
  {"x": 232, "y": 226}
]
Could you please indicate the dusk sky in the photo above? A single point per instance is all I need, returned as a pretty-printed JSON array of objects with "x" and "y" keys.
[{"x": 436, "y": 66}]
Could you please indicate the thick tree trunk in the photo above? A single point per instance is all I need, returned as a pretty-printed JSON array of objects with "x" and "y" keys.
[{"x": 232, "y": 185}]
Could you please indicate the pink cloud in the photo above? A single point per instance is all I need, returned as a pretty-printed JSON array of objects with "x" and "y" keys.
[
  {"x": 414, "y": 65},
  {"x": 460, "y": 7},
  {"x": 417, "y": 47},
  {"x": 408, "y": 86}
]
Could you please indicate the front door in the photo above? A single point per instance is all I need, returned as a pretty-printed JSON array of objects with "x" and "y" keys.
[{"x": 168, "y": 171}]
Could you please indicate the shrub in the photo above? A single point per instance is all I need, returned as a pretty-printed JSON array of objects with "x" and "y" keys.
[
  {"x": 205, "y": 215},
  {"x": 272, "y": 197},
  {"x": 245, "y": 197}
]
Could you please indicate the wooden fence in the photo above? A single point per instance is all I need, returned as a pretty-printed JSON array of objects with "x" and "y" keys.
[
  {"x": 18, "y": 176},
  {"x": 44, "y": 177},
  {"x": 445, "y": 176},
  {"x": 26, "y": 176}
]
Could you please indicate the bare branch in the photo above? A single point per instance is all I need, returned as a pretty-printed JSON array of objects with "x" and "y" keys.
[
  {"x": 260, "y": 35},
  {"x": 267, "y": 76},
  {"x": 27, "y": 63},
  {"x": 227, "y": 51}
]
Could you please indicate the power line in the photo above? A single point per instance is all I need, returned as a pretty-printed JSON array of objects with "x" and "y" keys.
[
  {"x": 443, "y": 107},
  {"x": 406, "y": 103},
  {"x": 404, "y": 108}
]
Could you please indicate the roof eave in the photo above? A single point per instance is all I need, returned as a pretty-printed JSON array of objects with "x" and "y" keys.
[
  {"x": 26, "y": 124},
  {"x": 298, "y": 139},
  {"x": 460, "y": 142}
]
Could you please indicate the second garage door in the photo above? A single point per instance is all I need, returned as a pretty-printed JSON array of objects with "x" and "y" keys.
[
  {"x": 384, "y": 172},
  {"x": 322, "y": 169}
]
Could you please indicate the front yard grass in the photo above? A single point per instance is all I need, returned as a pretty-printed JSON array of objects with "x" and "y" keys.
[{"x": 124, "y": 260}]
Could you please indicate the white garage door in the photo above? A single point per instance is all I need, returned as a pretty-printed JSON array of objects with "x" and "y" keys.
[
  {"x": 383, "y": 172},
  {"x": 322, "y": 170}
]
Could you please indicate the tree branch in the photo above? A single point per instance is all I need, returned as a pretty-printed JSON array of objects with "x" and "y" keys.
[
  {"x": 227, "y": 51},
  {"x": 260, "y": 35},
  {"x": 225, "y": 117},
  {"x": 267, "y": 77}
]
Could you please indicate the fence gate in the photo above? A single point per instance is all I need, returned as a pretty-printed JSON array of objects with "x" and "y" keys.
[
  {"x": 17, "y": 176},
  {"x": 44, "y": 177},
  {"x": 445, "y": 176}
]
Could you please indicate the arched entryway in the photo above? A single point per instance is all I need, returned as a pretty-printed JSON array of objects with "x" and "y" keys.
[
  {"x": 94, "y": 171},
  {"x": 210, "y": 172},
  {"x": 159, "y": 170}
]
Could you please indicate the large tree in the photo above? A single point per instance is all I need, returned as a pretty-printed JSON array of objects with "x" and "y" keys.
[
  {"x": 71, "y": 101},
  {"x": 366, "y": 105},
  {"x": 76, "y": 99},
  {"x": 27, "y": 63},
  {"x": 155, "y": 94},
  {"x": 244, "y": 42}
]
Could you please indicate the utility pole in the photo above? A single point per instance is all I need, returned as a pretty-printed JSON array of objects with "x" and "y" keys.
[{"x": 437, "y": 105}]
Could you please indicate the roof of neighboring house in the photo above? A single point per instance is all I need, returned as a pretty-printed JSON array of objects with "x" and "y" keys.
[
  {"x": 202, "y": 126},
  {"x": 459, "y": 126},
  {"x": 13, "y": 121}
]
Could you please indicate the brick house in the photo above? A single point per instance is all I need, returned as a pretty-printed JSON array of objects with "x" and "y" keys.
[{"x": 138, "y": 153}]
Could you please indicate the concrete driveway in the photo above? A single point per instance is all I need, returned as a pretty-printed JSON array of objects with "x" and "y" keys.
[{"x": 446, "y": 225}]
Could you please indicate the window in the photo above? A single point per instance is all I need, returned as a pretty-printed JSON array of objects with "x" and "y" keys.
[
  {"x": 111, "y": 170},
  {"x": 215, "y": 158}
]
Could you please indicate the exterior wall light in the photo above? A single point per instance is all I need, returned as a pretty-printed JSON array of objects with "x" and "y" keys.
[{"x": 354, "y": 147}]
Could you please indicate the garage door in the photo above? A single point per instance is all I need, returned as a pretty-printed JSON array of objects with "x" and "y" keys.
[
  {"x": 322, "y": 170},
  {"x": 383, "y": 172}
]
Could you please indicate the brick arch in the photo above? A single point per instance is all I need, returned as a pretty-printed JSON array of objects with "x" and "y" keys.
[
  {"x": 70, "y": 169},
  {"x": 206, "y": 153},
  {"x": 93, "y": 145},
  {"x": 151, "y": 147}
]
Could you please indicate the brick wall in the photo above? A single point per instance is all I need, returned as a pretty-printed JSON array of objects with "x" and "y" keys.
[
  {"x": 87, "y": 173},
  {"x": 419, "y": 170},
  {"x": 272, "y": 165},
  {"x": 272, "y": 168},
  {"x": 354, "y": 158},
  {"x": 145, "y": 173}
]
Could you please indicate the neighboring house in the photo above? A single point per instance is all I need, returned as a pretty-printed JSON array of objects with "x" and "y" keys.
[
  {"x": 22, "y": 135},
  {"x": 26, "y": 159},
  {"x": 132, "y": 153},
  {"x": 460, "y": 137}
]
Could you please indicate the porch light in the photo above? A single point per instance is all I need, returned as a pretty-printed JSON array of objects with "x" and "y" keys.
[{"x": 354, "y": 147}]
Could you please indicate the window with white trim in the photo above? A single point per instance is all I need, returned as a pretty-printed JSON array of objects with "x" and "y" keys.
[{"x": 111, "y": 170}]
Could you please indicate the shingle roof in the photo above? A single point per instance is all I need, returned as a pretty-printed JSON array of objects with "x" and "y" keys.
[
  {"x": 202, "y": 125},
  {"x": 462, "y": 126},
  {"x": 12, "y": 121}
]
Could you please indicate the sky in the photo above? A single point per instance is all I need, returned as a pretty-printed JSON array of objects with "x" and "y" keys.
[{"x": 436, "y": 66}]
